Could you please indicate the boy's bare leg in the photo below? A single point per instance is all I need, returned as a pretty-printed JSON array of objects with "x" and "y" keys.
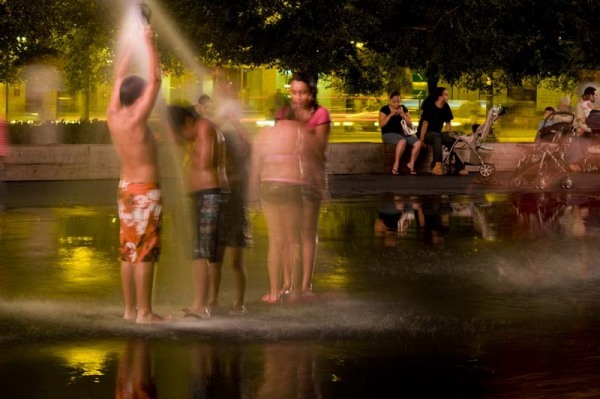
[
  {"x": 236, "y": 254},
  {"x": 144, "y": 280},
  {"x": 128, "y": 287},
  {"x": 201, "y": 280},
  {"x": 214, "y": 275}
]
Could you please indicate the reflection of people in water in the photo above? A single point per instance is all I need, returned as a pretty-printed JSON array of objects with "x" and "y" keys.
[
  {"x": 215, "y": 372},
  {"x": 394, "y": 219},
  {"x": 479, "y": 216},
  {"x": 428, "y": 218},
  {"x": 134, "y": 378},
  {"x": 537, "y": 210},
  {"x": 289, "y": 372},
  {"x": 436, "y": 220}
]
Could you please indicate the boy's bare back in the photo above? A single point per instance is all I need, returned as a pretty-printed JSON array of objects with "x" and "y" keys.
[
  {"x": 135, "y": 145},
  {"x": 132, "y": 138}
]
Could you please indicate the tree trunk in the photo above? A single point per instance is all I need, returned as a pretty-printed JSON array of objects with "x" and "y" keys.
[
  {"x": 85, "y": 100},
  {"x": 85, "y": 105},
  {"x": 433, "y": 78}
]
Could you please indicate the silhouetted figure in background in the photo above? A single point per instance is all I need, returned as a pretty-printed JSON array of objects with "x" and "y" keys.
[
  {"x": 436, "y": 116},
  {"x": 391, "y": 117}
]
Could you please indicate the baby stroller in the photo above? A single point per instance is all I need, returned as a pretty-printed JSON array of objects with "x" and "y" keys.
[
  {"x": 471, "y": 149},
  {"x": 543, "y": 164}
]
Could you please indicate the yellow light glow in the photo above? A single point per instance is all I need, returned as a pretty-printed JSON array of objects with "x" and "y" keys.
[
  {"x": 80, "y": 264},
  {"x": 90, "y": 361}
]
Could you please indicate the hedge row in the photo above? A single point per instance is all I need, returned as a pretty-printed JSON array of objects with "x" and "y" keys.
[{"x": 82, "y": 132}]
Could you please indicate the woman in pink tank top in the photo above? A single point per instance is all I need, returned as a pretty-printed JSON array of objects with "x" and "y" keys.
[{"x": 317, "y": 122}]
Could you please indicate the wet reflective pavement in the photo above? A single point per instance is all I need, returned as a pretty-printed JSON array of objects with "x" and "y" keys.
[{"x": 424, "y": 290}]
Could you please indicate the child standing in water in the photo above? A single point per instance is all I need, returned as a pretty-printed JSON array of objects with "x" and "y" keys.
[
  {"x": 276, "y": 179},
  {"x": 139, "y": 195},
  {"x": 315, "y": 120}
]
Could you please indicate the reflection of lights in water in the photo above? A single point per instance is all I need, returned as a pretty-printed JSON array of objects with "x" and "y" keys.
[
  {"x": 338, "y": 279},
  {"x": 86, "y": 361},
  {"x": 338, "y": 276},
  {"x": 491, "y": 198},
  {"x": 75, "y": 240},
  {"x": 80, "y": 264}
]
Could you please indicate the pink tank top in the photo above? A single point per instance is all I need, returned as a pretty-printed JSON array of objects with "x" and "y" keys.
[{"x": 319, "y": 117}]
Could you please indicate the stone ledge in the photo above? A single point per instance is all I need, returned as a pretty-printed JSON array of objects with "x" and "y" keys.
[{"x": 100, "y": 161}]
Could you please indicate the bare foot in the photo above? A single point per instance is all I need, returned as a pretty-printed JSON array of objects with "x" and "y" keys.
[
  {"x": 199, "y": 314},
  {"x": 238, "y": 310},
  {"x": 308, "y": 294},
  {"x": 130, "y": 316},
  {"x": 150, "y": 318},
  {"x": 271, "y": 299},
  {"x": 294, "y": 297},
  {"x": 285, "y": 290}
]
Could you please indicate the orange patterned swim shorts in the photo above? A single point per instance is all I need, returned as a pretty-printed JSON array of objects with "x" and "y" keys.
[{"x": 140, "y": 220}]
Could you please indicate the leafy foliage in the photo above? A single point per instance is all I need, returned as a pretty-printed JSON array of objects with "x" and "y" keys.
[{"x": 366, "y": 45}]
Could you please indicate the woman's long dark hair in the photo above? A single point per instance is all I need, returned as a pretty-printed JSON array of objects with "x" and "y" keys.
[{"x": 312, "y": 87}]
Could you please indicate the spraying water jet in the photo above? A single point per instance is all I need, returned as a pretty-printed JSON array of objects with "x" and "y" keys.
[{"x": 146, "y": 13}]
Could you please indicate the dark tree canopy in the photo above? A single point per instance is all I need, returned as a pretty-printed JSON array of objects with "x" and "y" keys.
[
  {"x": 467, "y": 41},
  {"x": 365, "y": 45}
]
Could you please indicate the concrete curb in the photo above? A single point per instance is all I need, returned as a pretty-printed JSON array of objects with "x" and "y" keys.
[{"x": 100, "y": 161}]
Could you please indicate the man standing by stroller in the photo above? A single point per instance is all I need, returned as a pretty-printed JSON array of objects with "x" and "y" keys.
[{"x": 436, "y": 114}]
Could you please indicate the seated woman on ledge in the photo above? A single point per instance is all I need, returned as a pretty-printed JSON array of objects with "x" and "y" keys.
[{"x": 390, "y": 121}]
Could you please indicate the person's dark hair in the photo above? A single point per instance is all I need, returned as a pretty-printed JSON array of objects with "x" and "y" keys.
[
  {"x": 394, "y": 94},
  {"x": 438, "y": 92},
  {"x": 310, "y": 82},
  {"x": 551, "y": 109},
  {"x": 312, "y": 87},
  {"x": 432, "y": 97},
  {"x": 589, "y": 91},
  {"x": 203, "y": 99},
  {"x": 177, "y": 115},
  {"x": 131, "y": 89}
]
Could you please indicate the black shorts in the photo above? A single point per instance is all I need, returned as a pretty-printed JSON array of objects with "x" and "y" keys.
[
  {"x": 208, "y": 207},
  {"x": 233, "y": 221},
  {"x": 279, "y": 193}
]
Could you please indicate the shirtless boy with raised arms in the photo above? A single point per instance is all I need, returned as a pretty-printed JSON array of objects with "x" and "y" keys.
[{"x": 139, "y": 195}]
